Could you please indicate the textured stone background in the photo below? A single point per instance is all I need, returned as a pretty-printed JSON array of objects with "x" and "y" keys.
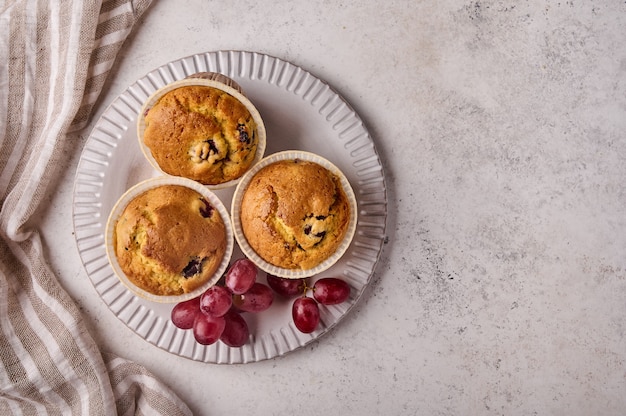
[{"x": 502, "y": 127}]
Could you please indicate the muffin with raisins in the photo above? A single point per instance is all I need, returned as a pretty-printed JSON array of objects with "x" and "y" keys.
[
  {"x": 170, "y": 240},
  {"x": 202, "y": 129},
  {"x": 295, "y": 213}
]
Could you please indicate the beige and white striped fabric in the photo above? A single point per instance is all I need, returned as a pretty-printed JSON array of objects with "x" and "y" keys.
[{"x": 54, "y": 58}]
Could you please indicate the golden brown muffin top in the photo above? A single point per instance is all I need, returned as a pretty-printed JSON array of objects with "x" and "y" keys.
[
  {"x": 201, "y": 133},
  {"x": 294, "y": 213},
  {"x": 170, "y": 236}
]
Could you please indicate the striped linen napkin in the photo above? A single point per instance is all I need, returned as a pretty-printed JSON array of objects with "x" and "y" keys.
[{"x": 54, "y": 58}]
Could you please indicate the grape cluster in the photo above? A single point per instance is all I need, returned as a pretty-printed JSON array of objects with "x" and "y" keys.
[
  {"x": 216, "y": 314},
  {"x": 305, "y": 310}
]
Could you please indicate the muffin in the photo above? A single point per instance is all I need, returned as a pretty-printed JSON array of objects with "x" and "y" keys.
[
  {"x": 294, "y": 213},
  {"x": 203, "y": 130},
  {"x": 169, "y": 240}
]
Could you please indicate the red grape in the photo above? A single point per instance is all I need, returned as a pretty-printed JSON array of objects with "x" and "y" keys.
[
  {"x": 286, "y": 287},
  {"x": 184, "y": 313},
  {"x": 241, "y": 276},
  {"x": 331, "y": 291},
  {"x": 208, "y": 329},
  {"x": 236, "y": 331},
  {"x": 258, "y": 298},
  {"x": 305, "y": 314},
  {"x": 216, "y": 301}
]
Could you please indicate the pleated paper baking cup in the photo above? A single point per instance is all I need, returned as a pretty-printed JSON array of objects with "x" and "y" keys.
[
  {"x": 207, "y": 79},
  {"x": 249, "y": 251},
  {"x": 138, "y": 190}
]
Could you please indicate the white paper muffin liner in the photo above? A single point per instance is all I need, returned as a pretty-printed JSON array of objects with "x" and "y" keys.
[
  {"x": 137, "y": 190},
  {"x": 208, "y": 79},
  {"x": 249, "y": 252}
]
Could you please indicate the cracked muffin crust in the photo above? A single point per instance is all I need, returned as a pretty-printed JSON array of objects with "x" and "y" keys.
[
  {"x": 201, "y": 133},
  {"x": 169, "y": 240},
  {"x": 294, "y": 214}
]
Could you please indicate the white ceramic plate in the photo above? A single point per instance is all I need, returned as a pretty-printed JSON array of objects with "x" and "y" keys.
[{"x": 300, "y": 112}]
